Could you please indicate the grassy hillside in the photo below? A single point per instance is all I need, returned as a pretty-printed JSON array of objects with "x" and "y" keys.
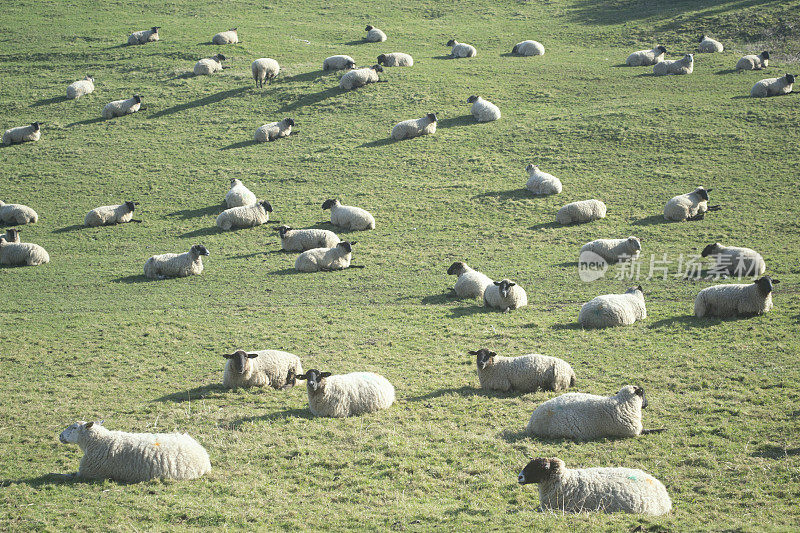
[{"x": 88, "y": 337}]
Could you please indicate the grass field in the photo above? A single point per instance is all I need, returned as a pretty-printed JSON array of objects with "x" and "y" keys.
[{"x": 88, "y": 337}]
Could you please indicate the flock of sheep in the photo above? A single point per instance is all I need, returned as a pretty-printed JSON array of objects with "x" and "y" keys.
[{"x": 134, "y": 457}]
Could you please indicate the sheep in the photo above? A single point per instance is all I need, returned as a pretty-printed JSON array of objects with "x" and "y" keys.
[
  {"x": 176, "y": 265},
  {"x": 360, "y": 77},
  {"x": 110, "y": 214},
  {"x": 144, "y": 36},
  {"x": 79, "y": 88},
  {"x": 414, "y": 127},
  {"x": 273, "y": 130},
  {"x": 374, "y": 35},
  {"x": 505, "y": 295},
  {"x": 470, "y": 283},
  {"x": 17, "y": 214},
  {"x": 736, "y": 299},
  {"x": 339, "y": 62},
  {"x": 300, "y": 240},
  {"x": 772, "y": 86},
  {"x": 689, "y": 206},
  {"x": 135, "y": 457},
  {"x": 610, "y": 310},
  {"x": 22, "y": 134},
  {"x": 609, "y": 490},
  {"x": 709, "y": 45},
  {"x": 348, "y": 217},
  {"x": 541, "y": 183},
  {"x": 261, "y": 368},
  {"x": 580, "y": 212},
  {"x": 580, "y": 416},
  {"x": 245, "y": 216},
  {"x": 645, "y": 58},
  {"x": 614, "y": 250},
  {"x": 528, "y": 48},
  {"x": 11, "y": 235},
  {"x": 678, "y": 66},
  {"x": 118, "y": 108},
  {"x": 526, "y": 373},
  {"x": 396, "y": 59},
  {"x": 753, "y": 62},
  {"x": 239, "y": 195},
  {"x": 347, "y": 394},
  {"x": 325, "y": 259},
  {"x": 209, "y": 65},
  {"x": 264, "y": 69},
  {"x": 226, "y": 37},
  {"x": 16, "y": 253},
  {"x": 461, "y": 49},
  {"x": 735, "y": 261},
  {"x": 483, "y": 110}
]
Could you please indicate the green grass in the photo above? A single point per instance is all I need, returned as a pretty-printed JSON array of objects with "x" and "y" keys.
[{"x": 86, "y": 337}]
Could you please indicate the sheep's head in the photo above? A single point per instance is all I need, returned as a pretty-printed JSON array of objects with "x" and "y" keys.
[
  {"x": 764, "y": 55},
  {"x": 199, "y": 249},
  {"x": 432, "y": 117},
  {"x": 711, "y": 249},
  {"x": 451, "y": 42},
  {"x": 689, "y": 58},
  {"x": 504, "y": 287},
  {"x": 377, "y": 68},
  {"x": 351, "y": 64},
  {"x": 483, "y": 358},
  {"x": 130, "y": 205},
  {"x": 346, "y": 246},
  {"x": 635, "y": 243},
  {"x": 539, "y": 469},
  {"x": 789, "y": 79},
  {"x": 381, "y": 59},
  {"x": 137, "y": 98},
  {"x": 288, "y": 121},
  {"x": 314, "y": 378},
  {"x": 629, "y": 392},
  {"x": 472, "y": 99},
  {"x": 36, "y": 126},
  {"x": 155, "y": 29},
  {"x": 89, "y": 78},
  {"x": 703, "y": 38},
  {"x": 368, "y": 28},
  {"x": 328, "y": 204},
  {"x": 765, "y": 284},
  {"x": 282, "y": 230},
  {"x": 233, "y": 29},
  {"x": 73, "y": 433},
  {"x": 239, "y": 360},
  {"x": 12, "y": 235},
  {"x": 531, "y": 167},
  {"x": 662, "y": 49},
  {"x": 456, "y": 268},
  {"x": 703, "y": 193},
  {"x": 634, "y": 290},
  {"x": 235, "y": 182},
  {"x": 514, "y": 50},
  {"x": 266, "y": 205},
  {"x": 220, "y": 57}
]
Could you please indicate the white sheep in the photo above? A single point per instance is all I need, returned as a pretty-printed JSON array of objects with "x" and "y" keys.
[
  {"x": 273, "y": 130},
  {"x": 21, "y": 134},
  {"x": 300, "y": 240},
  {"x": 470, "y": 283},
  {"x": 360, "y": 77},
  {"x": 734, "y": 260},
  {"x": 209, "y": 65},
  {"x": 338, "y": 62},
  {"x": 483, "y": 110},
  {"x": 79, "y": 88},
  {"x": 528, "y": 48},
  {"x": 176, "y": 265},
  {"x": 396, "y": 59},
  {"x": 245, "y": 216},
  {"x": 505, "y": 295},
  {"x": 348, "y": 217},
  {"x": 18, "y": 253},
  {"x": 110, "y": 214},
  {"x": 461, "y": 49},
  {"x": 738, "y": 299},
  {"x": 609, "y": 490},
  {"x": 261, "y": 368},
  {"x": 684, "y": 65},
  {"x": 753, "y": 62},
  {"x": 581, "y": 416},
  {"x": 610, "y": 310},
  {"x": 580, "y": 212},
  {"x": 144, "y": 36},
  {"x": 239, "y": 195},
  {"x": 226, "y": 37},
  {"x": 374, "y": 35},
  {"x": 414, "y": 127},
  {"x": 645, "y": 58},
  {"x": 773, "y": 86},
  {"x": 135, "y": 457},
  {"x": 263, "y": 69},
  {"x": 709, "y": 45},
  {"x": 347, "y": 394},
  {"x": 325, "y": 259},
  {"x": 689, "y": 206},
  {"x": 541, "y": 183},
  {"x": 526, "y": 373},
  {"x": 614, "y": 250},
  {"x": 118, "y": 108},
  {"x": 17, "y": 214}
]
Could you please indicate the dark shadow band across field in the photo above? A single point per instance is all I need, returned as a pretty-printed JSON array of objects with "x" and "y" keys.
[
  {"x": 453, "y": 122},
  {"x": 379, "y": 142},
  {"x": 511, "y": 194},
  {"x": 240, "y": 144},
  {"x": 202, "y": 232},
  {"x": 49, "y": 101},
  {"x": 211, "y": 99},
  {"x": 311, "y": 99},
  {"x": 46, "y": 479},
  {"x": 278, "y": 415},
  {"x": 214, "y": 390},
  {"x": 199, "y": 212},
  {"x": 68, "y": 229},
  {"x": 134, "y": 278}
]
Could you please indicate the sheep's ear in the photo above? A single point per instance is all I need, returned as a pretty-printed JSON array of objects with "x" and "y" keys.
[
  {"x": 511, "y": 284},
  {"x": 100, "y": 422},
  {"x": 252, "y": 355},
  {"x": 353, "y": 242},
  {"x": 774, "y": 281},
  {"x": 496, "y": 283},
  {"x": 301, "y": 376},
  {"x": 325, "y": 375},
  {"x": 639, "y": 288},
  {"x": 638, "y": 391},
  {"x": 227, "y": 355},
  {"x": 472, "y": 353},
  {"x": 491, "y": 354},
  {"x": 88, "y": 425},
  {"x": 709, "y": 190}
]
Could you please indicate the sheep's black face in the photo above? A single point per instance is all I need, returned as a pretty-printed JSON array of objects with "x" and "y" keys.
[
  {"x": 703, "y": 193},
  {"x": 504, "y": 287},
  {"x": 432, "y": 117},
  {"x": 455, "y": 268},
  {"x": 377, "y": 68},
  {"x": 483, "y": 358},
  {"x": 239, "y": 360},
  {"x": 267, "y": 206},
  {"x": 472, "y": 99},
  {"x": 346, "y": 246},
  {"x": 638, "y": 391},
  {"x": 765, "y": 285},
  {"x": 381, "y": 58},
  {"x": 313, "y": 378},
  {"x": 701, "y": 39},
  {"x": 36, "y": 126},
  {"x": 12, "y": 234},
  {"x": 708, "y": 250},
  {"x": 368, "y": 28},
  {"x": 282, "y": 230},
  {"x": 221, "y": 57},
  {"x": 789, "y": 79},
  {"x": 328, "y": 204},
  {"x": 137, "y": 98},
  {"x": 130, "y": 205},
  {"x": 662, "y": 49},
  {"x": 289, "y": 121},
  {"x": 514, "y": 50},
  {"x": 765, "y": 54},
  {"x": 351, "y": 64},
  {"x": 451, "y": 42},
  {"x": 199, "y": 249},
  {"x": 536, "y": 471}
]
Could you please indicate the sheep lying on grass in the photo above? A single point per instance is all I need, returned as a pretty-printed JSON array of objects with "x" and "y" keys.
[
  {"x": 300, "y": 240},
  {"x": 542, "y": 183},
  {"x": 261, "y": 368},
  {"x": 414, "y": 127},
  {"x": 610, "y": 310},
  {"x": 325, "y": 259},
  {"x": 461, "y": 49},
  {"x": 347, "y": 394},
  {"x": 176, "y": 265},
  {"x": 16, "y": 253},
  {"x": 739, "y": 299},
  {"x": 226, "y": 37},
  {"x": 17, "y": 214},
  {"x": 709, "y": 45},
  {"x": 689, "y": 206},
  {"x": 349, "y": 217},
  {"x": 505, "y": 295},
  {"x": 354, "y": 79},
  {"x": 21, "y": 134},
  {"x": 79, "y": 88},
  {"x": 526, "y": 373},
  {"x": 108, "y": 215},
  {"x": 483, "y": 110},
  {"x": 144, "y": 36},
  {"x": 118, "y": 108},
  {"x": 773, "y": 86},
  {"x": 470, "y": 283},
  {"x": 753, "y": 62},
  {"x": 645, "y": 58},
  {"x": 614, "y": 250},
  {"x": 246, "y": 216},
  {"x": 684, "y": 65},
  {"x": 239, "y": 195},
  {"x": 396, "y": 59},
  {"x": 339, "y": 62},
  {"x": 581, "y": 212},
  {"x": 273, "y": 130},
  {"x": 734, "y": 260},
  {"x": 209, "y": 65},
  {"x": 528, "y": 48},
  {"x": 374, "y": 35}
]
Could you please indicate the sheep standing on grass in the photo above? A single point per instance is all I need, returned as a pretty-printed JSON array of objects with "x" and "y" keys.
[
  {"x": 261, "y": 368},
  {"x": 689, "y": 206},
  {"x": 21, "y": 134},
  {"x": 526, "y": 373},
  {"x": 264, "y": 69},
  {"x": 226, "y": 37},
  {"x": 135, "y": 457},
  {"x": 734, "y": 260},
  {"x": 773, "y": 86},
  {"x": 374, "y": 35},
  {"x": 144, "y": 36},
  {"x": 245, "y": 216},
  {"x": 108, "y": 215},
  {"x": 505, "y": 295},
  {"x": 609, "y": 490},
  {"x": 273, "y": 130},
  {"x": 347, "y": 394},
  {"x": 209, "y": 65},
  {"x": 348, "y": 217},
  {"x": 541, "y": 183},
  {"x": 414, "y": 127},
  {"x": 17, "y": 214},
  {"x": 239, "y": 195},
  {"x": 79, "y": 88},
  {"x": 528, "y": 48},
  {"x": 461, "y": 49},
  {"x": 325, "y": 259},
  {"x": 674, "y": 67},
  {"x": 359, "y": 77},
  {"x": 645, "y": 58},
  {"x": 16, "y": 253},
  {"x": 483, "y": 110},
  {"x": 396, "y": 59},
  {"x": 709, "y": 45},
  {"x": 176, "y": 265},
  {"x": 581, "y": 416},
  {"x": 470, "y": 283},
  {"x": 614, "y": 250},
  {"x": 339, "y": 62},
  {"x": 611, "y": 310},
  {"x": 580, "y": 212},
  {"x": 753, "y": 62},
  {"x": 300, "y": 240},
  {"x": 118, "y": 108},
  {"x": 743, "y": 299}
]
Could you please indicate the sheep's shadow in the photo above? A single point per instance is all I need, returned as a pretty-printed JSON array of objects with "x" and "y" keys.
[
  {"x": 441, "y": 298},
  {"x": 510, "y": 54},
  {"x": 307, "y": 76},
  {"x": 573, "y": 326},
  {"x": 186, "y": 214},
  {"x": 726, "y": 71},
  {"x": 380, "y": 142},
  {"x": 768, "y": 451},
  {"x": 211, "y": 99},
  {"x": 202, "y": 232},
  {"x": 448, "y": 56},
  {"x": 545, "y": 225},
  {"x": 186, "y": 75},
  {"x": 67, "y": 229},
  {"x": 284, "y": 272},
  {"x": 48, "y": 101},
  {"x": 741, "y": 97},
  {"x": 466, "y": 391},
  {"x": 512, "y": 194},
  {"x": 247, "y": 256},
  {"x": 453, "y": 122},
  {"x": 312, "y": 99},
  {"x": 354, "y": 43},
  {"x": 240, "y": 144},
  {"x": 134, "y": 278},
  {"x": 566, "y": 264},
  {"x": 87, "y": 122},
  {"x": 618, "y": 65},
  {"x": 215, "y": 390},
  {"x": 467, "y": 311},
  {"x": 651, "y": 221},
  {"x": 278, "y": 415},
  {"x": 513, "y": 436},
  {"x": 52, "y": 478},
  {"x": 687, "y": 321}
]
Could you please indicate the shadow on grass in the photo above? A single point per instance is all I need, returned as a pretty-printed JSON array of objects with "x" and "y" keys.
[
  {"x": 651, "y": 221},
  {"x": 467, "y": 311},
  {"x": 573, "y": 326},
  {"x": 567, "y": 264},
  {"x": 186, "y": 214},
  {"x": 285, "y": 272},
  {"x": 768, "y": 451},
  {"x": 135, "y": 278},
  {"x": 466, "y": 391},
  {"x": 184, "y": 76},
  {"x": 49, "y": 101},
  {"x": 312, "y": 99},
  {"x": 247, "y": 256},
  {"x": 215, "y": 390},
  {"x": 545, "y": 225},
  {"x": 67, "y": 229},
  {"x": 513, "y": 194},
  {"x": 448, "y": 56},
  {"x": 240, "y": 144},
  {"x": 46, "y": 479},
  {"x": 202, "y": 232},
  {"x": 212, "y": 99},
  {"x": 687, "y": 321},
  {"x": 463, "y": 120},
  {"x": 87, "y": 122},
  {"x": 308, "y": 76},
  {"x": 379, "y": 142},
  {"x": 278, "y": 415},
  {"x": 442, "y": 298},
  {"x": 354, "y": 43},
  {"x": 513, "y": 436},
  {"x": 618, "y": 65},
  {"x": 741, "y": 97},
  {"x": 726, "y": 71}
]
